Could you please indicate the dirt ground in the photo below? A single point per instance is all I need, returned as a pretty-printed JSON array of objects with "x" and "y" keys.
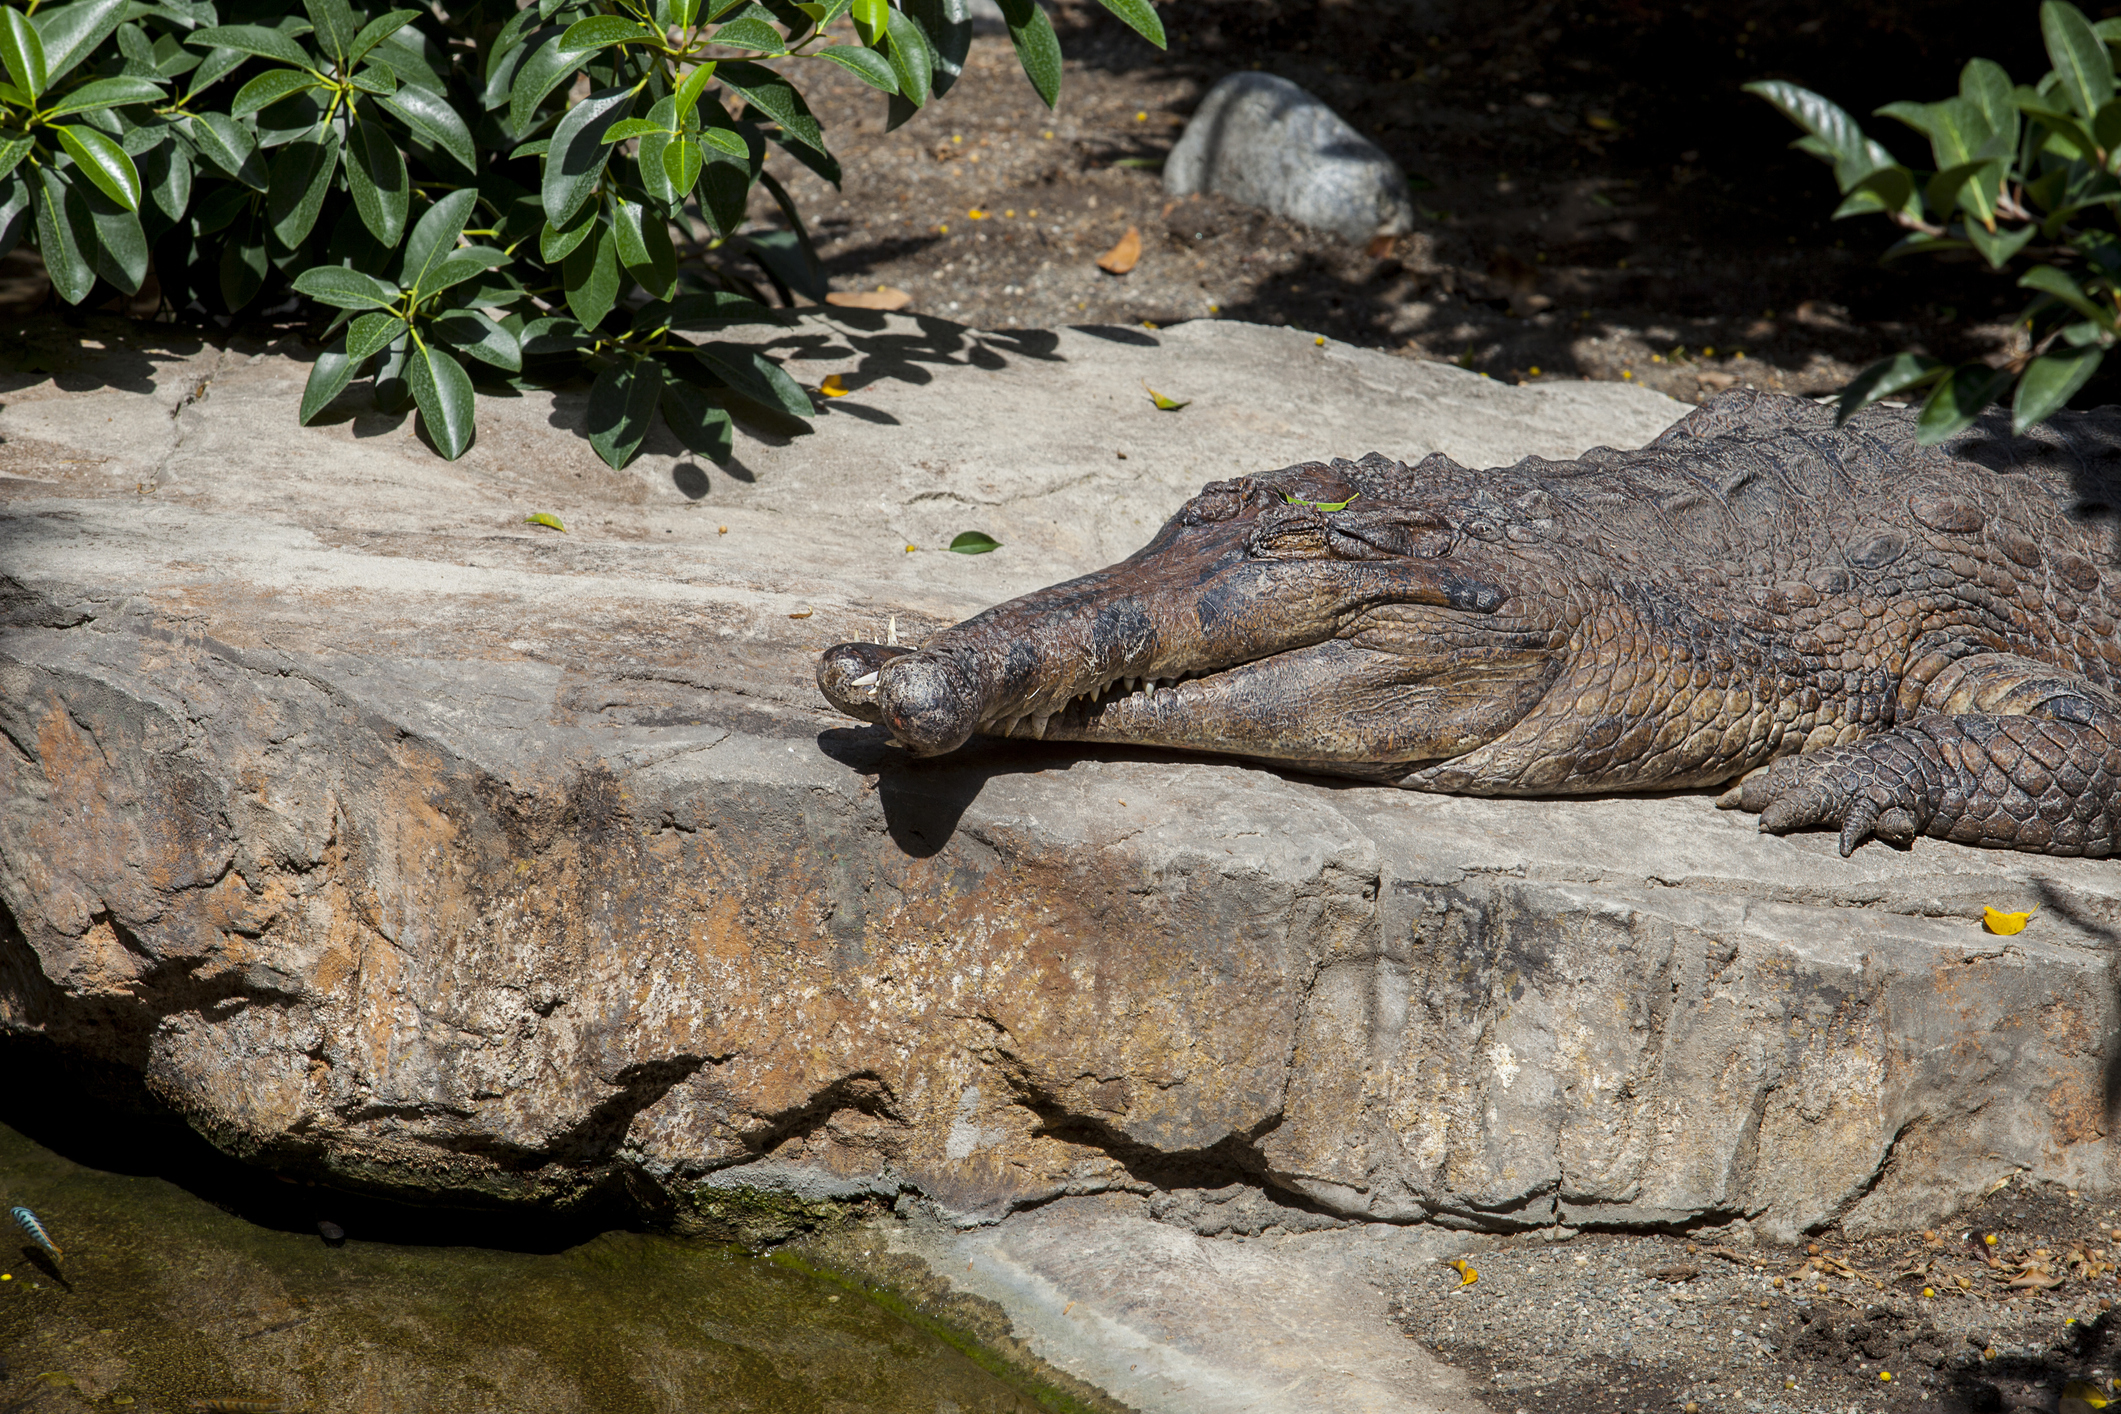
[
  {"x": 1596, "y": 197},
  {"x": 1621, "y": 1324}
]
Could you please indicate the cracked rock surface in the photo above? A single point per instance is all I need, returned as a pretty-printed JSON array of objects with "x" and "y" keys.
[{"x": 405, "y": 845}]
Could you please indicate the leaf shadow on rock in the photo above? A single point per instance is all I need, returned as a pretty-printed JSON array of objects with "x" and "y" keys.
[{"x": 2060, "y": 902}]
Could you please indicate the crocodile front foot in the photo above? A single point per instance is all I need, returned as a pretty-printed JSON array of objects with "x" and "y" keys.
[{"x": 2030, "y": 783}]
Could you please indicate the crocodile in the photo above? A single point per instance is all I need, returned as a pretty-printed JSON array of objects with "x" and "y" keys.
[{"x": 1846, "y": 628}]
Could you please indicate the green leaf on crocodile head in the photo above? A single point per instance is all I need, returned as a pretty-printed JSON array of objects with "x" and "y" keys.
[{"x": 1322, "y": 505}]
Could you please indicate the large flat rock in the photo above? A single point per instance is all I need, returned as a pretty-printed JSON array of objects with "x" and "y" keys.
[{"x": 403, "y": 844}]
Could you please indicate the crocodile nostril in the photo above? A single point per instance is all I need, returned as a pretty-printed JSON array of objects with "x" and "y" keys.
[{"x": 928, "y": 703}]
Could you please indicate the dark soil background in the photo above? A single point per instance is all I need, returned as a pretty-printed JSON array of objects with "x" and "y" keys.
[{"x": 1597, "y": 198}]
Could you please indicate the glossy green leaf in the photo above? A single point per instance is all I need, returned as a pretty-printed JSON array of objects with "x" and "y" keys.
[
  {"x": 554, "y": 243},
  {"x": 644, "y": 248},
  {"x": 948, "y": 25},
  {"x": 718, "y": 309},
  {"x": 70, "y": 32},
  {"x": 342, "y": 288},
  {"x": 103, "y": 162},
  {"x": 435, "y": 234},
  {"x": 1834, "y": 136},
  {"x": 65, "y": 237},
  {"x": 417, "y": 60},
  {"x": 700, "y": 423},
  {"x": 870, "y": 18},
  {"x": 269, "y": 88},
  {"x": 301, "y": 176},
  {"x": 513, "y": 35},
  {"x": 370, "y": 334},
  {"x": 749, "y": 32},
  {"x": 2079, "y": 56},
  {"x": 1139, "y": 16},
  {"x": 166, "y": 177},
  {"x": 695, "y": 83},
  {"x": 546, "y": 69},
  {"x": 376, "y": 175},
  {"x": 18, "y": 209},
  {"x": 447, "y": 404},
  {"x": 2049, "y": 382},
  {"x": 433, "y": 117},
  {"x": 973, "y": 542},
  {"x": 217, "y": 65},
  {"x": 776, "y": 97},
  {"x": 1987, "y": 85},
  {"x": 590, "y": 276},
  {"x": 334, "y": 24},
  {"x": 469, "y": 331},
  {"x": 119, "y": 250},
  {"x": 23, "y": 52},
  {"x": 252, "y": 39},
  {"x": 867, "y": 65},
  {"x": 13, "y": 148},
  {"x": 462, "y": 264},
  {"x": 1886, "y": 191},
  {"x": 577, "y": 157},
  {"x": 1037, "y": 47},
  {"x": 1959, "y": 398},
  {"x": 1998, "y": 248},
  {"x": 631, "y": 127},
  {"x": 1972, "y": 186},
  {"x": 655, "y": 179},
  {"x": 336, "y": 366},
  {"x": 2050, "y": 281},
  {"x": 725, "y": 140},
  {"x": 104, "y": 93},
  {"x": 393, "y": 389},
  {"x": 911, "y": 59},
  {"x": 622, "y": 404},
  {"x": 755, "y": 376},
  {"x": 229, "y": 145},
  {"x": 682, "y": 160},
  {"x": 377, "y": 30},
  {"x": 601, "y": 31},
  {"x": 1884, "y": 379},
  {"x": 553, "y": 334}
]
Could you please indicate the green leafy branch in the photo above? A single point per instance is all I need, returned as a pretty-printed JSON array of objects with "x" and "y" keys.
[
  {"x": 425, "y": 183},
  {"x": 2030, "y": 172}
]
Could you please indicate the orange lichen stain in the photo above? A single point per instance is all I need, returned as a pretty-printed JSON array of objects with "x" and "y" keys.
[{"x": 2076, "y": 1110}]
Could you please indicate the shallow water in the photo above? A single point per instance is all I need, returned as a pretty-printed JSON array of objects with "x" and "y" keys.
[{"x": 162, "y": 1298}]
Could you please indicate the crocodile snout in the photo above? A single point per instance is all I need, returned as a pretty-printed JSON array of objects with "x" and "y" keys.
[{"x": 930, "y": 704}]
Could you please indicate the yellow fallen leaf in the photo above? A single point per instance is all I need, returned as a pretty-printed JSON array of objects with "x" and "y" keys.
[
  {"x": 1997, "y": 921},
  {"x": 882, "y": 297},
  {"x": 550, "y": 522},
  {"x": 1467, "y": 1276},
  {"x": 803, "y": 611},
  {"x": 1164, "y": 404},
  {"x": 834, "y": 387},
  {"x": 1124, "y": 256}
]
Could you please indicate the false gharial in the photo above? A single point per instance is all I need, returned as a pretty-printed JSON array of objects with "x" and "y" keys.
[{"x": 1851, "y": 629}]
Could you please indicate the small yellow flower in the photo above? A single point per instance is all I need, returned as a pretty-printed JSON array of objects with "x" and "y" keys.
[
  {"x": 1009, "y": 214},
  {"x": 1047, "y": 134},
  {"x": 1320, "y": 341},
  {"x": 1927, "y": 1291},
  {"x": 1708, "y": 353},
  {"x": 957, "y": 137},
  {"x": 1142, "y": 117},
  {"x": 1535, "y": 370},
  {"x": 910, "y": 549},
  {"x": 942, "y": 230},
  {"x": 976, "y": 214},
  {"x": 1886, "y": 1375},
  {"x": 1627, "y": 373}
]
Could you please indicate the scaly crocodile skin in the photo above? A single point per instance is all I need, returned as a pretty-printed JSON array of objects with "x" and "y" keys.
[{"x": 1865, "y": 633}]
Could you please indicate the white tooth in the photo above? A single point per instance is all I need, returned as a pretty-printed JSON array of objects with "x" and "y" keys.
[
  {"x": 891, "y": 632},
  {"x": 1043, "y": 718},
  {"x": 867, "y": 679}
]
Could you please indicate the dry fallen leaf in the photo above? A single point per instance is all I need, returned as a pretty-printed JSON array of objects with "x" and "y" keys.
[
  {"x": 882, "y": 297},
  {"x": 1124, "y": 256},
  {"x": 1466, "y": 1275},
  {"x": 1164, "y": 404},
  {"x": 2006, "y": 924},
  {"x": 542, "y": 518},
  {"x": 1675, "y": 1275},
  {"x": 802, "y": 611}
]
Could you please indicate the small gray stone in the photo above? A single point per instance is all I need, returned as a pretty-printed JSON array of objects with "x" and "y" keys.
[{"x": 1264, "y": 141}]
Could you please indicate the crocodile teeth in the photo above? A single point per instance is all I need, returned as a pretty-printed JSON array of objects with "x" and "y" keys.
[
  {"x": 1043, "y": 718},
  {"x": 867, "y": 679},
  {"x": 891, "y": 632}
]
